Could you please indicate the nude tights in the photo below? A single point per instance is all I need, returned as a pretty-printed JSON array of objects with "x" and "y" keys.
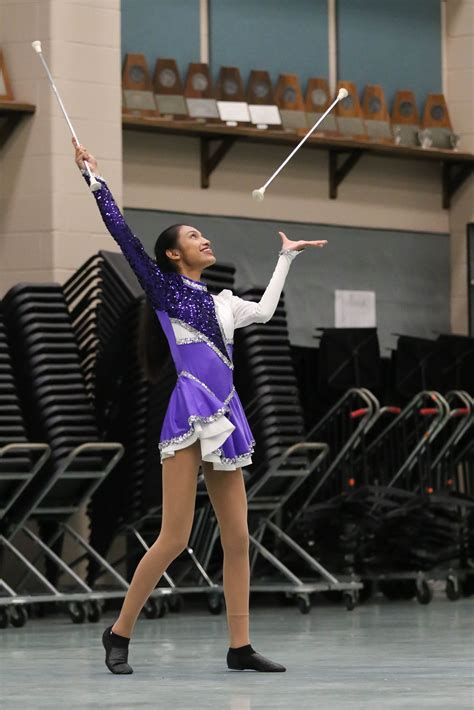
[{"x": 227, "y": 493}]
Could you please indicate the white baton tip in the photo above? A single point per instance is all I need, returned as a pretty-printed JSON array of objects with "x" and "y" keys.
[
  {"x": 36, "y": 45},
  {"x": 258, "y": 194},
  {"x": 342, "y": 94}
]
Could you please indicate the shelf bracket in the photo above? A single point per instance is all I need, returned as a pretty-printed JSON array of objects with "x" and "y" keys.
[
  {"x": 454, "y": 175},
  {"x": 337, "y": 172},
  {"x": 210, "y": 160},
  {"x": 8, "y": 123}
]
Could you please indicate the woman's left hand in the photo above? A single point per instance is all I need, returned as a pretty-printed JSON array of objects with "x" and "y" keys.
[{"x": 301, "y": 243}]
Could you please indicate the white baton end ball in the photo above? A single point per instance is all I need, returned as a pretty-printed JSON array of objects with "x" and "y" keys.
[
  {"x": 36, "y": 46},
  {"x": 258, "y": 194},
  {"x": 342, "y": 94}
]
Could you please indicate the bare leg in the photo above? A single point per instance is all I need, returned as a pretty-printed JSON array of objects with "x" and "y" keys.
[
  {"x": 179, "y": 496},
  {"x": 229, "y": 499}
]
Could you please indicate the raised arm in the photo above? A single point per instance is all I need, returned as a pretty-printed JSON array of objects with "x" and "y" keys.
[
  {"x": 247, "y": 312},
  {"x": 153, "y": 281}
]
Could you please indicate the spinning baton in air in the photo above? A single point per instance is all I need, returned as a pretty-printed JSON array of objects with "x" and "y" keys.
[
  {"x": 260, "y": 193},
  {"x": 94, "y": 184}
]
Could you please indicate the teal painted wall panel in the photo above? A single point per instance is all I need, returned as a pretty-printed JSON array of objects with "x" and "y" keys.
[
  {"x": 162, "y": 28},
  {"x": 395, "y": 43},
  {"x": 277, "y": 36}
]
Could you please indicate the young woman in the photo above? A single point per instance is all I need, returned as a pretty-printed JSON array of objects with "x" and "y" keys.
[{"x": 205, "y": 423}]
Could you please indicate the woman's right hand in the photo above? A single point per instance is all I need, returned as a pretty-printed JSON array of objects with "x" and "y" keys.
[{"x": 83, "y": 154}]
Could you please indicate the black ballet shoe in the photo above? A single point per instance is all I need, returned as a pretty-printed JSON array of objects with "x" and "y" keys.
[
  {"x": 246, "y": 658},
  {"x": 116, "y": 652}
]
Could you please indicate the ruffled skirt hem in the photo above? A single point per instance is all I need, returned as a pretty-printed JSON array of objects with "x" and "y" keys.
[{"x": 215, "y": 431}]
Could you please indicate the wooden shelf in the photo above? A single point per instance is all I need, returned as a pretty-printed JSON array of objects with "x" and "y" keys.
[
  {"x": 344, "y": 153},
  {"x": 11, "y": 113}
]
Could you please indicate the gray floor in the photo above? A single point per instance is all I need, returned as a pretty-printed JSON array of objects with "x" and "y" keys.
[{"x": 381, "y": 655}]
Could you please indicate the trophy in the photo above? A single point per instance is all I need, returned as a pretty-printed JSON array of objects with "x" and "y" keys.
[
  {"x": 231, "y": 104},
  {"x": 437, "y": 124},
  {"x": 262, "y": 108},
  {"x": 349, "y": 112},
  {"x": 290, "y": 102},
  {"x": 137, "y": 88},
  {"x": 6, "y": 92},
  {"x": 317, "y": 101},
  {"x": 169, "y": 90},
  {"x": 199, "y": 94},
  {"x": 405, "y": 119},
  {"x": 377, "y": 120}
]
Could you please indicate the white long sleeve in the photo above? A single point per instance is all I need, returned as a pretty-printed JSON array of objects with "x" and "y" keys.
[{"x": 247, "y": 312}]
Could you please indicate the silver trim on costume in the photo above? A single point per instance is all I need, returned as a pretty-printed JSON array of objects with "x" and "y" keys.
[
  {"x": 289, "y": 253},
  {"x": 193, "y": 284},
  {"x": 193, "y": 418},
  {"x": 205, "y": 339},
  {"x": 193, "y": 377},
  {"x": 236, "y": 460}
]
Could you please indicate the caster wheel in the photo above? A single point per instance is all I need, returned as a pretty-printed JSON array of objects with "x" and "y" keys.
[
  {"x": 18, "y": 616},
  {"x": 3, "y": 618},
  {"x": 77, "y": 612},
  {"x": 215, "y": 603},
  {"x": 175, "y": 602},
  {"x": 94, "y": 613},
  {"x": 304, "y": 603},
  {"x": 349, "y": 600},
  {"x": 424, "y": 593},
  {"x": 155, "y": 608},
  {"x": 452, "y": 589}
]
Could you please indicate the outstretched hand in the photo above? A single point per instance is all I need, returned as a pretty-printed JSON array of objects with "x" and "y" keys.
[
  {"x": 301, "y": 243},
  {"x": 83, "y": 154}
]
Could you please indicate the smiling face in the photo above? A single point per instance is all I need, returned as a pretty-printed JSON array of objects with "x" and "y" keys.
[{"x": 193, "y": 251}]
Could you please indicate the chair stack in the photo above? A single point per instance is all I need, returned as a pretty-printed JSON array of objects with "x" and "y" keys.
[
  {"x": 266, "y": 382},
  {"x": 17, "y": 462},
  {"x": 105, "y": 301},
  {"x": 48, "y": 368}
]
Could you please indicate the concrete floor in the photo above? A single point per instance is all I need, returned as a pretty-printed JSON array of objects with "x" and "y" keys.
[{"x": 381, "y": 655}]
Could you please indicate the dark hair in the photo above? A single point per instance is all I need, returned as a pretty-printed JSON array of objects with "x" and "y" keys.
[{"x": 153, "y": 348}]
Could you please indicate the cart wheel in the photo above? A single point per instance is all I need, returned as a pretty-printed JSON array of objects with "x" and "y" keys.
[
  {"x": 215, "y": 603},
  {"x": 3, "y": 618},
  {"x": 424, "y": 593},
  {"x": 452, "y": 589},
  {"x": 77, "y": 612},
  {"x": 349, "y": 600},
  {"x": 95, "y": 612},
  {"x": 175, "y": 602},
  {"x": 18, "y": 616},
  {"x": 154, "y": 608},
  {"x": 304, "y": 603}
]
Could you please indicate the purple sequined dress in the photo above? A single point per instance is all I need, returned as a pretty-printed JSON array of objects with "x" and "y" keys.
[{"x": 199, "y": 328}]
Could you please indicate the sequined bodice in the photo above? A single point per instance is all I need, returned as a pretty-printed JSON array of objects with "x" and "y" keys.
[{"x": 180, "y": 297}]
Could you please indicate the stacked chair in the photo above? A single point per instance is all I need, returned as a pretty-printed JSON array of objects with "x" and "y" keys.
[
  {"x": 58, "y": 412},
  {"x": 21, "y": 461}
]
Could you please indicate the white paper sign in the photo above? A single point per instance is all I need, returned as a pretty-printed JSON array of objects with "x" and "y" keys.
[
  {"x": 269, "y": 115},
  {"x": 233, "y": 111},
  {"x": 355, "y": 309}
]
